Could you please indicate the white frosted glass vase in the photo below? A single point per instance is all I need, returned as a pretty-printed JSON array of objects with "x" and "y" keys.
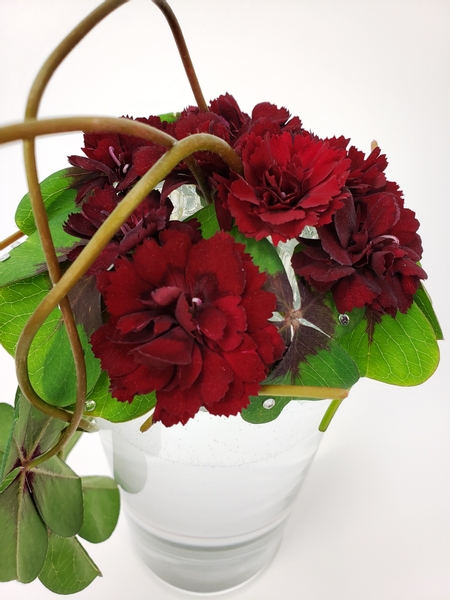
[{"x": 207, "y": 502}]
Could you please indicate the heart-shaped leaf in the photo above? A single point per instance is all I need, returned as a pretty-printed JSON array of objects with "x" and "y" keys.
[
  {"x": 24, "y": 536},
  {"x": 6, "y": 421},
  {"x": 68, "y": 568},
  {"x": 208, "y": 221},
  {"x": 51, "y": 366},
  {"x": 402, "y": 351},
  {"x": 101, "y": 508},
  {"x": 28, "y": 259},
  {"x": 102, "y": 404},
  {"x": 8, "y": 480},
  {"x": 57, "y": 197},
  {"x": 263, "y": 253},
  {"x": 58, "y": 495},
  {"x": 423, "y": 301},
  {"x": 331, "y": 367}
]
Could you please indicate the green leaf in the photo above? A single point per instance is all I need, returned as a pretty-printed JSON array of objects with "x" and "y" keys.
[
  {"x": 58, "y": 496},
  {"x": 101, "y": 508},
  {"x": 28, "y": 259},
  {"x": 6, "y": 422},
  {"x": 423, "y": 301},
  {"x": 57, "y": 199},
  {"x": 68, "y": 568},
  {"x": 8, "y": 480},
  {"x": 208, "y": 221},
  {"x": 263, "y": 253},
  {"x": 51, "y": 366},
  {"x": 35, "y": 429},
  {"x": 170, "y": 117},
  {"x": 403, "y": 351},
  {"x": 111, "y": 409},
  {"x": 330, "y": 367},
  {"x": 256, "y": 413},
  {"x": 353, "y": 319},
  {"x": 24, "y": 535}
]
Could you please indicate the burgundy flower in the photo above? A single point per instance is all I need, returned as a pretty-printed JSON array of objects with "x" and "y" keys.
[
  {"x": 367, "y": 174},
  {"x": 116, "y": 159},
  {"x": 289, "y": 181},
  {"x": 367, "y": 256},
  {"x": 188, "y": 320},
  {"x": 147, "y": 221},
  {"x": 267, "y": 118}
]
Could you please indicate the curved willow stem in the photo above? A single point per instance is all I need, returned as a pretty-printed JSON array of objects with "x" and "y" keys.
[
  {"x": 63, "y": 49},
  {"x": 184, "y": 53},
  {"x": 33, "y": 128},
  {"x": 41, "y": 219},
  {"x": 27, "y": 130},
  {"x": 11, "y": 239}
]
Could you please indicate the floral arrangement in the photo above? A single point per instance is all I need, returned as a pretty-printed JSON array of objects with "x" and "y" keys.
[{"x": 204, "y": 259}]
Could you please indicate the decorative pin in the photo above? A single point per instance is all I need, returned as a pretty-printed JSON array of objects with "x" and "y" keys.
[
  {"x": 344, "y": 319},
  {"x": 269, "y": 403}
]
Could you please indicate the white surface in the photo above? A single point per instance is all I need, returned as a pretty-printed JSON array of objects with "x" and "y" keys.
[{"x": 372, "y": 521}]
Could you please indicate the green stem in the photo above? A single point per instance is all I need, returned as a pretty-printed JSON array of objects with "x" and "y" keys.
[
  {"x": 184, "y": 53},
  {"x": 329, "y": 414},
  {"x": 303, "y": 391}
]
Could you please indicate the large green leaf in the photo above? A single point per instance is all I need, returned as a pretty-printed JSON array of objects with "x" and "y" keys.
[
  {"x": 101, "y": 508},
  {"x": 28, "y": 259},
  {"x": 263, "y": 253},
  {"x": 102, "y": 404},
  {"x": 257, "y": 413},
  {"x": 403, "y": 351},
  {"x": 51, "y": 366},
  {"x": 6, "y": 421},
  {"x": 24, "y": 536},
  {"x": 208, "y": 221},
  {"x": 56, "y": 489},
  {"x": 57, "y": 199},
  {"x": 68, "y": 568},
  {"x": 58, "y": 496},
  {"x": 423, "y": 301},
  {"x": 10, "y": 477},
  {"x": 331, "y": 367}
]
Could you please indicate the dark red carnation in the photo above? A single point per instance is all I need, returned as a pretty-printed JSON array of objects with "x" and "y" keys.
[
  {"x": 367, "y": 174},
  {"x": 367, "y": 256},
  {"x": 116, "y": 159},
  {"x": 147, "y": 221},
  {"x": 188, "y": 320},
  {"x": 289, "y": 182}
]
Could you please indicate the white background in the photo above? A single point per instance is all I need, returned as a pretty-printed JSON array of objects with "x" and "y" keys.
[{"x": 372, "y": 521}]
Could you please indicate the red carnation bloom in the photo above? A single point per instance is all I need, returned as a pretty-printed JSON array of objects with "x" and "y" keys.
[
  {"x": 148, "y": 220},
  {"x": 366, "y": 173},
  {"x": 116, "y": 159},
  {"x": 367, "y": 256},
  {"x": 289, "y": 182},
  {"x": 188, "y": 320}
]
